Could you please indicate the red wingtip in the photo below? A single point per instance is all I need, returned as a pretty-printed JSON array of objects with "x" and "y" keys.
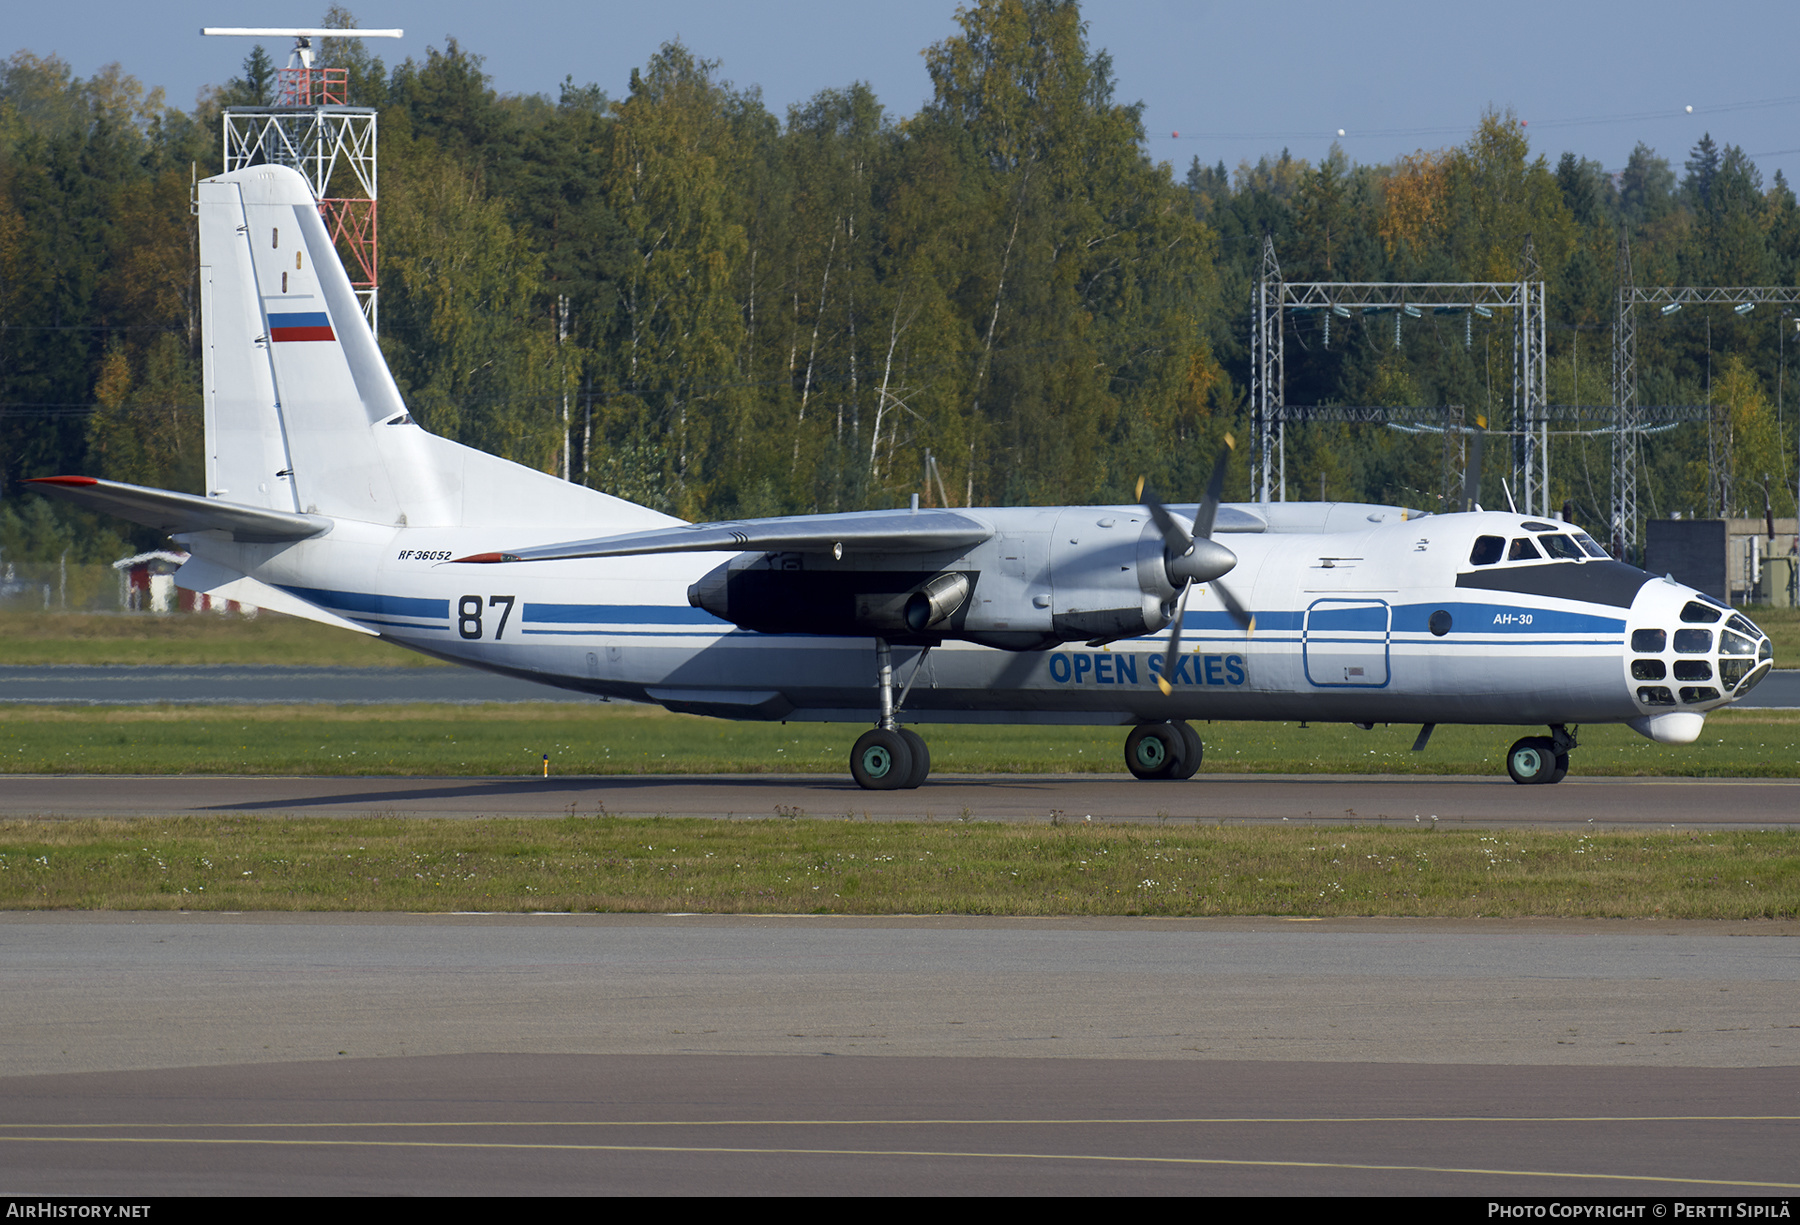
[
  {"x": 61, "y": 480},
  {"x": 483, "y": 558}
]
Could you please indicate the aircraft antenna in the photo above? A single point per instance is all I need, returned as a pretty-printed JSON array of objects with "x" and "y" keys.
[{"x": 312, "y": 128}]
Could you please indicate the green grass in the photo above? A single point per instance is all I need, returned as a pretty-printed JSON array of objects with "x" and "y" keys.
[
  {"x": 850, "y": 867},
  {"x": 600, "y": 739},
  {"x": 39, "y": 638}
]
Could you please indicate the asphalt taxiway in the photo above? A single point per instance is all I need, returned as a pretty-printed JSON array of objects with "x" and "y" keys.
[
  {"x": 332, "y": 1054},
  {"x": 1211, "y": 798}
]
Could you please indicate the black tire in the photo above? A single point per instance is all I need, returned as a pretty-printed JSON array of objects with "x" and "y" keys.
[
  {"x": 1155, "y": 750},
  {"x": 921, "y": 758},
  {"x": 1532, "y": 760},
  {"x": 1562, "y": 768},
  {"x": 881, "y": 760},
  {"x": 1192, "y": 752}
]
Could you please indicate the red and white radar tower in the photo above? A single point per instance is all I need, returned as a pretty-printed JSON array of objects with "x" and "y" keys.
[{"x": 331, "y": 144}]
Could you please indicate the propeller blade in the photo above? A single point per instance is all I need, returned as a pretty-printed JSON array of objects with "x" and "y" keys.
[
  {"x": 1175, "y": 537},
  {"x": 1245, "y": 618},
  {"x": 1168, "y": 668},
  {"x": 1215, "y": 489},
  {"x": 1472, "y": 476}
]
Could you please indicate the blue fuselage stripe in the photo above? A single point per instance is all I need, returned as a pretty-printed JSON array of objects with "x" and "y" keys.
[
  {"x": 368, "y": 602},
  {"x": 618, "y": 614}
]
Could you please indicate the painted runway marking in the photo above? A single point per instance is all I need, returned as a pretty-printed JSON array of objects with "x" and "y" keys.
[{"x": 747, "y": 1150}]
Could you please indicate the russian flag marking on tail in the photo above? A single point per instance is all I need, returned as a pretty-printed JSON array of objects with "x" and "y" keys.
[{"x": 304, "y": 325}]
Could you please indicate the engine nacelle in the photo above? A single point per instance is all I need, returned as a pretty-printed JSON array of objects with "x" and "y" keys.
[
  {"x": 1046, "y": 577},
  {"x": 793, "y": 593}
]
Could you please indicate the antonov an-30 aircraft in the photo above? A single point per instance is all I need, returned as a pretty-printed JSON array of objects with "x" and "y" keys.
[{"x": 325, "y": 500}]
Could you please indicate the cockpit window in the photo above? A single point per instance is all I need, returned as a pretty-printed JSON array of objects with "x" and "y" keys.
[
  {"x": 1696, "y": 613},
  {"x": 1522, "y": 550},
  {"x": 1531, "y": 525},
  {"x": 1753, "y": 680},
  {"x": 1735, "y": 644},
  {"x": 1561, "y": 546},
  {"x": 1742, "y": 625},
  {"x": 1649, "y": 642},
  {"x": 1487, "y": 550},
  {"x": 1588, "y": 546}
]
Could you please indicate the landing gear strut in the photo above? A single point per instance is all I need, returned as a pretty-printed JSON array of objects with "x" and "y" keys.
[
  {"x": 1163, "y": 750},
  {"x": 889, "y": 757},
  {"x": 1541, "y": 759}
]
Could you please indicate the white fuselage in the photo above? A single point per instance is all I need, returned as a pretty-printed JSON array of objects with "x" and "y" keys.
[{"x": 1344, "y": 628}]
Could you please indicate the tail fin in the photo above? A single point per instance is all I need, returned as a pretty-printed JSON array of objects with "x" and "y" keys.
[
  {"x": 294, "y": 380},
  {"x": 301, "y": 412}
]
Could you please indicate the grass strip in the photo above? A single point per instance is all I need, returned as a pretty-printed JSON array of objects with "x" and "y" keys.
[
  {"x": 36, "y": 639},
  {"x": 842, "y": 866},
  {"x": 506, "y": 739}
]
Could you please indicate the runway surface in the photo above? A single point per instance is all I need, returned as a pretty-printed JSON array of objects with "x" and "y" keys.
[
  {"x": 1318, "y": 799},
  {"x": 240, "y": 684},
  {"x": 176, "y": 1054}
]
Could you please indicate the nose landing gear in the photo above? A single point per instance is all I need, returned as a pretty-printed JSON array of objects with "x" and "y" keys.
[{"x": 1541, "y": 759}]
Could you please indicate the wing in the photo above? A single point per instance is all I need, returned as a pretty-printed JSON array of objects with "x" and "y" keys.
[
  {"x": 182, "y": 512},
  {"x": 884, "y": 531}
]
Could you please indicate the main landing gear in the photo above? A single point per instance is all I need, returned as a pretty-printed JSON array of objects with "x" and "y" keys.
[
  {"x": 1541, "y": 759},
  {"x": 889, "y": 757},
  {"x": 1163, "y": 750}
]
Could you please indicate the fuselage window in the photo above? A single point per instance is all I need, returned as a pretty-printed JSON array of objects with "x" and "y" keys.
[
  {"x": 1560, "y": 546},
  {"x": 1655, "y": 695},
  {"x": 1698, "y": 693},
  {"x": 1693, "y": 670},
  {"x": 1693, "y": 642},
  {"x": 1647, "y": 670},
  {"x": 1649, "y": 642},
  {"x": 1487, "y": 550},
  {"x": 1588, "y": 546},
  {"x": 1696, "y": 613},
  {"x": 1523, "y": 550}
]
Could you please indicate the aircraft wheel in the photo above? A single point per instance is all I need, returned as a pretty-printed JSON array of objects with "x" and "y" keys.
[
  {"x": 1562, "y": 768},
  {"x": 1192, "y": 750},
  {"x": 1532, "y": 760},
  {"x": 921, "y": 758},
  {"x": 1155, "y": 750},
  {"x": 881, "y": 760}
]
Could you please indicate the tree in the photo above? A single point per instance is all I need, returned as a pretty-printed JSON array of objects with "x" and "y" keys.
[
  {"x": 673, "y": 377},
  {"x": 257, "y": 86},
  {"x": 459, "y": 289},
  {"x": 1646, "y": 186},
  {"x": 1702, "y": 168}
]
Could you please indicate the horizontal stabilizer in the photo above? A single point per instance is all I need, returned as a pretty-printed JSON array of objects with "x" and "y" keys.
[
  {"x": 208, "y": 578},
  {"x": 872, "y": 531},
  {"x": 182, "y": 512}
]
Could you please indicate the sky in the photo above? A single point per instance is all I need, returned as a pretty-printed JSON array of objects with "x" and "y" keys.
[{"x": 1219, "y": 81}]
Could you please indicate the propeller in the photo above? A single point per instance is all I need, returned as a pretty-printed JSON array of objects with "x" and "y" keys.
[{"x": 1196, "y": 558}]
